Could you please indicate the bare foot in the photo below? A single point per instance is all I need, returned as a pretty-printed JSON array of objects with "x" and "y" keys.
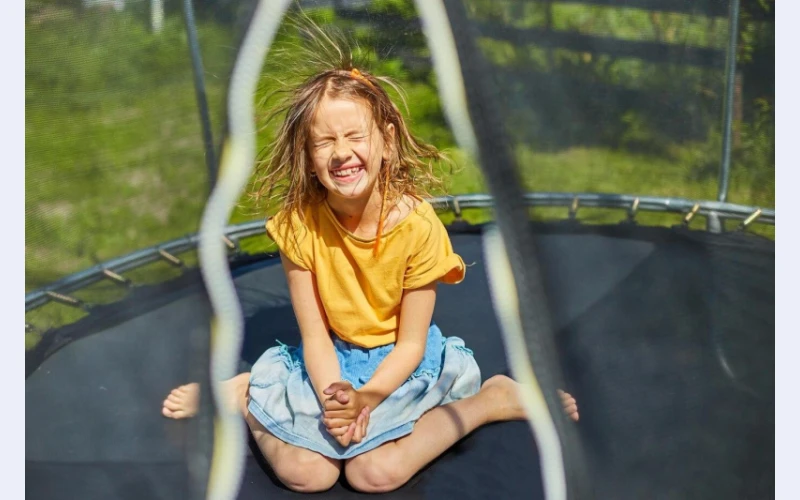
[
  {"x": 235, "y": 392},
  {"x": 570, "y": 405},
  {"x": 505, "y": 402},
  {"x": 184, "y": 401},
  {"x": 502, "y": 394}
]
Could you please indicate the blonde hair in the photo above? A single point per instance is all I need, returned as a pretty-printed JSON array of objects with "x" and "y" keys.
[{"x": 283, "y": 170}]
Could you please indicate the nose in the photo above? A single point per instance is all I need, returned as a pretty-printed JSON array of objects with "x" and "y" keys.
[{"x": 341, "y": 151}]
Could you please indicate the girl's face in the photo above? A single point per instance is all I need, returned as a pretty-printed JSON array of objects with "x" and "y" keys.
[{"x": 346, "y": 148}]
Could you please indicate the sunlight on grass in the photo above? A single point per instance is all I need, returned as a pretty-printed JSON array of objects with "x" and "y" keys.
[{"x": 115, "y": 158}]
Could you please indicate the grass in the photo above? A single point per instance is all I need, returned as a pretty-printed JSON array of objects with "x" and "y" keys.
[
  {"x": 114, "y": 157},
  {"x": 115, "y": 160},
  {"x": 602, "y": 170}
]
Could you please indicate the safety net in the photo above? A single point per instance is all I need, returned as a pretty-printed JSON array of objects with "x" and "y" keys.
[{"x": 617, "y": 157}]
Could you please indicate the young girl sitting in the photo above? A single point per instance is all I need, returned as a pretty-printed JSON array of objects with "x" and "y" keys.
[{"x": 375, "y": 388}]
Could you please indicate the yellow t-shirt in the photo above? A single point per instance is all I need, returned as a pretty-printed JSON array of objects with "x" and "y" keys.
[{"x": 361, "y": 293}]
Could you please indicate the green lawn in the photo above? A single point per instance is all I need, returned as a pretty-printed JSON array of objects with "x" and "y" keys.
[{"x": 115, "y": 163}]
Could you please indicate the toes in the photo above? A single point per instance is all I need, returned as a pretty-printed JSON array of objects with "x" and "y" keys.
[
  {"x": 175, "y": 414},
  {"x": 181, "y": 402},
  {"x": 570, "y": 405},
  {"x": 172, "y": 405}
]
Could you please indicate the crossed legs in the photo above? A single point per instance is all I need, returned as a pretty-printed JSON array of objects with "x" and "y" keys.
[{"x": 385, "y": 468}]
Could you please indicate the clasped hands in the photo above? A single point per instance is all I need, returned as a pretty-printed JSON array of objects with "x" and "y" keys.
[{"x": 346, "y": 413}]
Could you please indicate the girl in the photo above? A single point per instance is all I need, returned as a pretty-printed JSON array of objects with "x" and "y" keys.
[{"x": 374, "y": 389}]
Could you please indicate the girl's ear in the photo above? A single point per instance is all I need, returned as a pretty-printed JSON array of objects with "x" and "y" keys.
[{"x": 389, "y": 141}]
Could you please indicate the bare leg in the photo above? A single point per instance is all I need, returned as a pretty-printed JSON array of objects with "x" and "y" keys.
[
  {"x": 298, "y": 468},
  {"x": 392, "y": 464}
]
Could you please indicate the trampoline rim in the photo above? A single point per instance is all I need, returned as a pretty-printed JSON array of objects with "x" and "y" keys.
[{"x": 112, "y": 269}]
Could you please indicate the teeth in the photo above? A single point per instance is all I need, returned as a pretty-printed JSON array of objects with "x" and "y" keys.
[{"x": 346, "y": 172}]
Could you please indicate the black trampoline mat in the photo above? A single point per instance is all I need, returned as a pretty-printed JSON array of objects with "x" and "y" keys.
[{"x": 641, "y": 317}]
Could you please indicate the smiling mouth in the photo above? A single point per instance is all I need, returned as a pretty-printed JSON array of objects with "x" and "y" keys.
[{"x": 346, "y": 174}]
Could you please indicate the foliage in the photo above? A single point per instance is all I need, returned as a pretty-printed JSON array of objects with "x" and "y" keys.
[{"x": 114, "y": 152}]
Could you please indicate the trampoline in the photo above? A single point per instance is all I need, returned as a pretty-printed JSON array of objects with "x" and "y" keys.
[
  {"x": 664, "y": 334},
  {"x": 698, "y": 300}
]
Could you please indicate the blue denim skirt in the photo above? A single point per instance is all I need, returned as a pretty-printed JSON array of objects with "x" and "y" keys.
[{"x": 283, "y": 399}]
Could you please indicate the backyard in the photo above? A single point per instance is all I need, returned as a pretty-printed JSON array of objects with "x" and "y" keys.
[{"x": 115, "y": 157}]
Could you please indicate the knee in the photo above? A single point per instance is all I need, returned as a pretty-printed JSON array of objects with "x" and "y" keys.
[
  {"x": 305, "y": 471},
  {"x": 370, "y": 474}
]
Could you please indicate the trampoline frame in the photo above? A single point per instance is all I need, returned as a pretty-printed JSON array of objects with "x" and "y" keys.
[
  {"x": 113, "y": 269},
  {"x": 714, "y": 211}
]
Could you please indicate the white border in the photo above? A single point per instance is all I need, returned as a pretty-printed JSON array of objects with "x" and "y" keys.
[
  {"x": 787, "y": 71},
  {"x": 12, "y": 89}
]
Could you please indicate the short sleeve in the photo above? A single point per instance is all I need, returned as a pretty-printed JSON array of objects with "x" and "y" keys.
[
  {"x": 434, "y": 258},
  {"x": 293, "y": 238}
]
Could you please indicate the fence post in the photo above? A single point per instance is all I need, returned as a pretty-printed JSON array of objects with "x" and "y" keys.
[{"x": 156, "y": 15}]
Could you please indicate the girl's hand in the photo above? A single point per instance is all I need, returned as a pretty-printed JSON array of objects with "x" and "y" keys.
[
  {"x": 362, "y": 422},
  {"x": 344, "y": 405},
  {"x": 353, "y": 433},
  {"x": 338, "y": 410}
]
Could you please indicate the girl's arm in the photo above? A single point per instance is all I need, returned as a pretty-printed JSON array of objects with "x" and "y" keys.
[
  {"x": 416, "y": 311},
  {"x": 320, "y": 358}
]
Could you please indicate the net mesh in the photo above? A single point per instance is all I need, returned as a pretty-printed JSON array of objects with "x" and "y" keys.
[
  {"x": 115, "y": 156},
  {"x": 615, "y": 97},
  {"x": 595, "y": 96},
  {"x": 629, "y": 97}
]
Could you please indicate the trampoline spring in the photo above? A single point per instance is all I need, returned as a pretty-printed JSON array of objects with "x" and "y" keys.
[
  {"x": 170, "y": 258},
  {"x": 691, "y": 214},
  {"x": 108, "y": 273},
  {"x": 633, "y": 209},
  {"x": 457, "y": 208},
  {"x": 750, "y": 219},
  {"x": 65, "y": 299},
  {"x": 230, "y": 244},
  {"x": 573, "y": 209}
]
